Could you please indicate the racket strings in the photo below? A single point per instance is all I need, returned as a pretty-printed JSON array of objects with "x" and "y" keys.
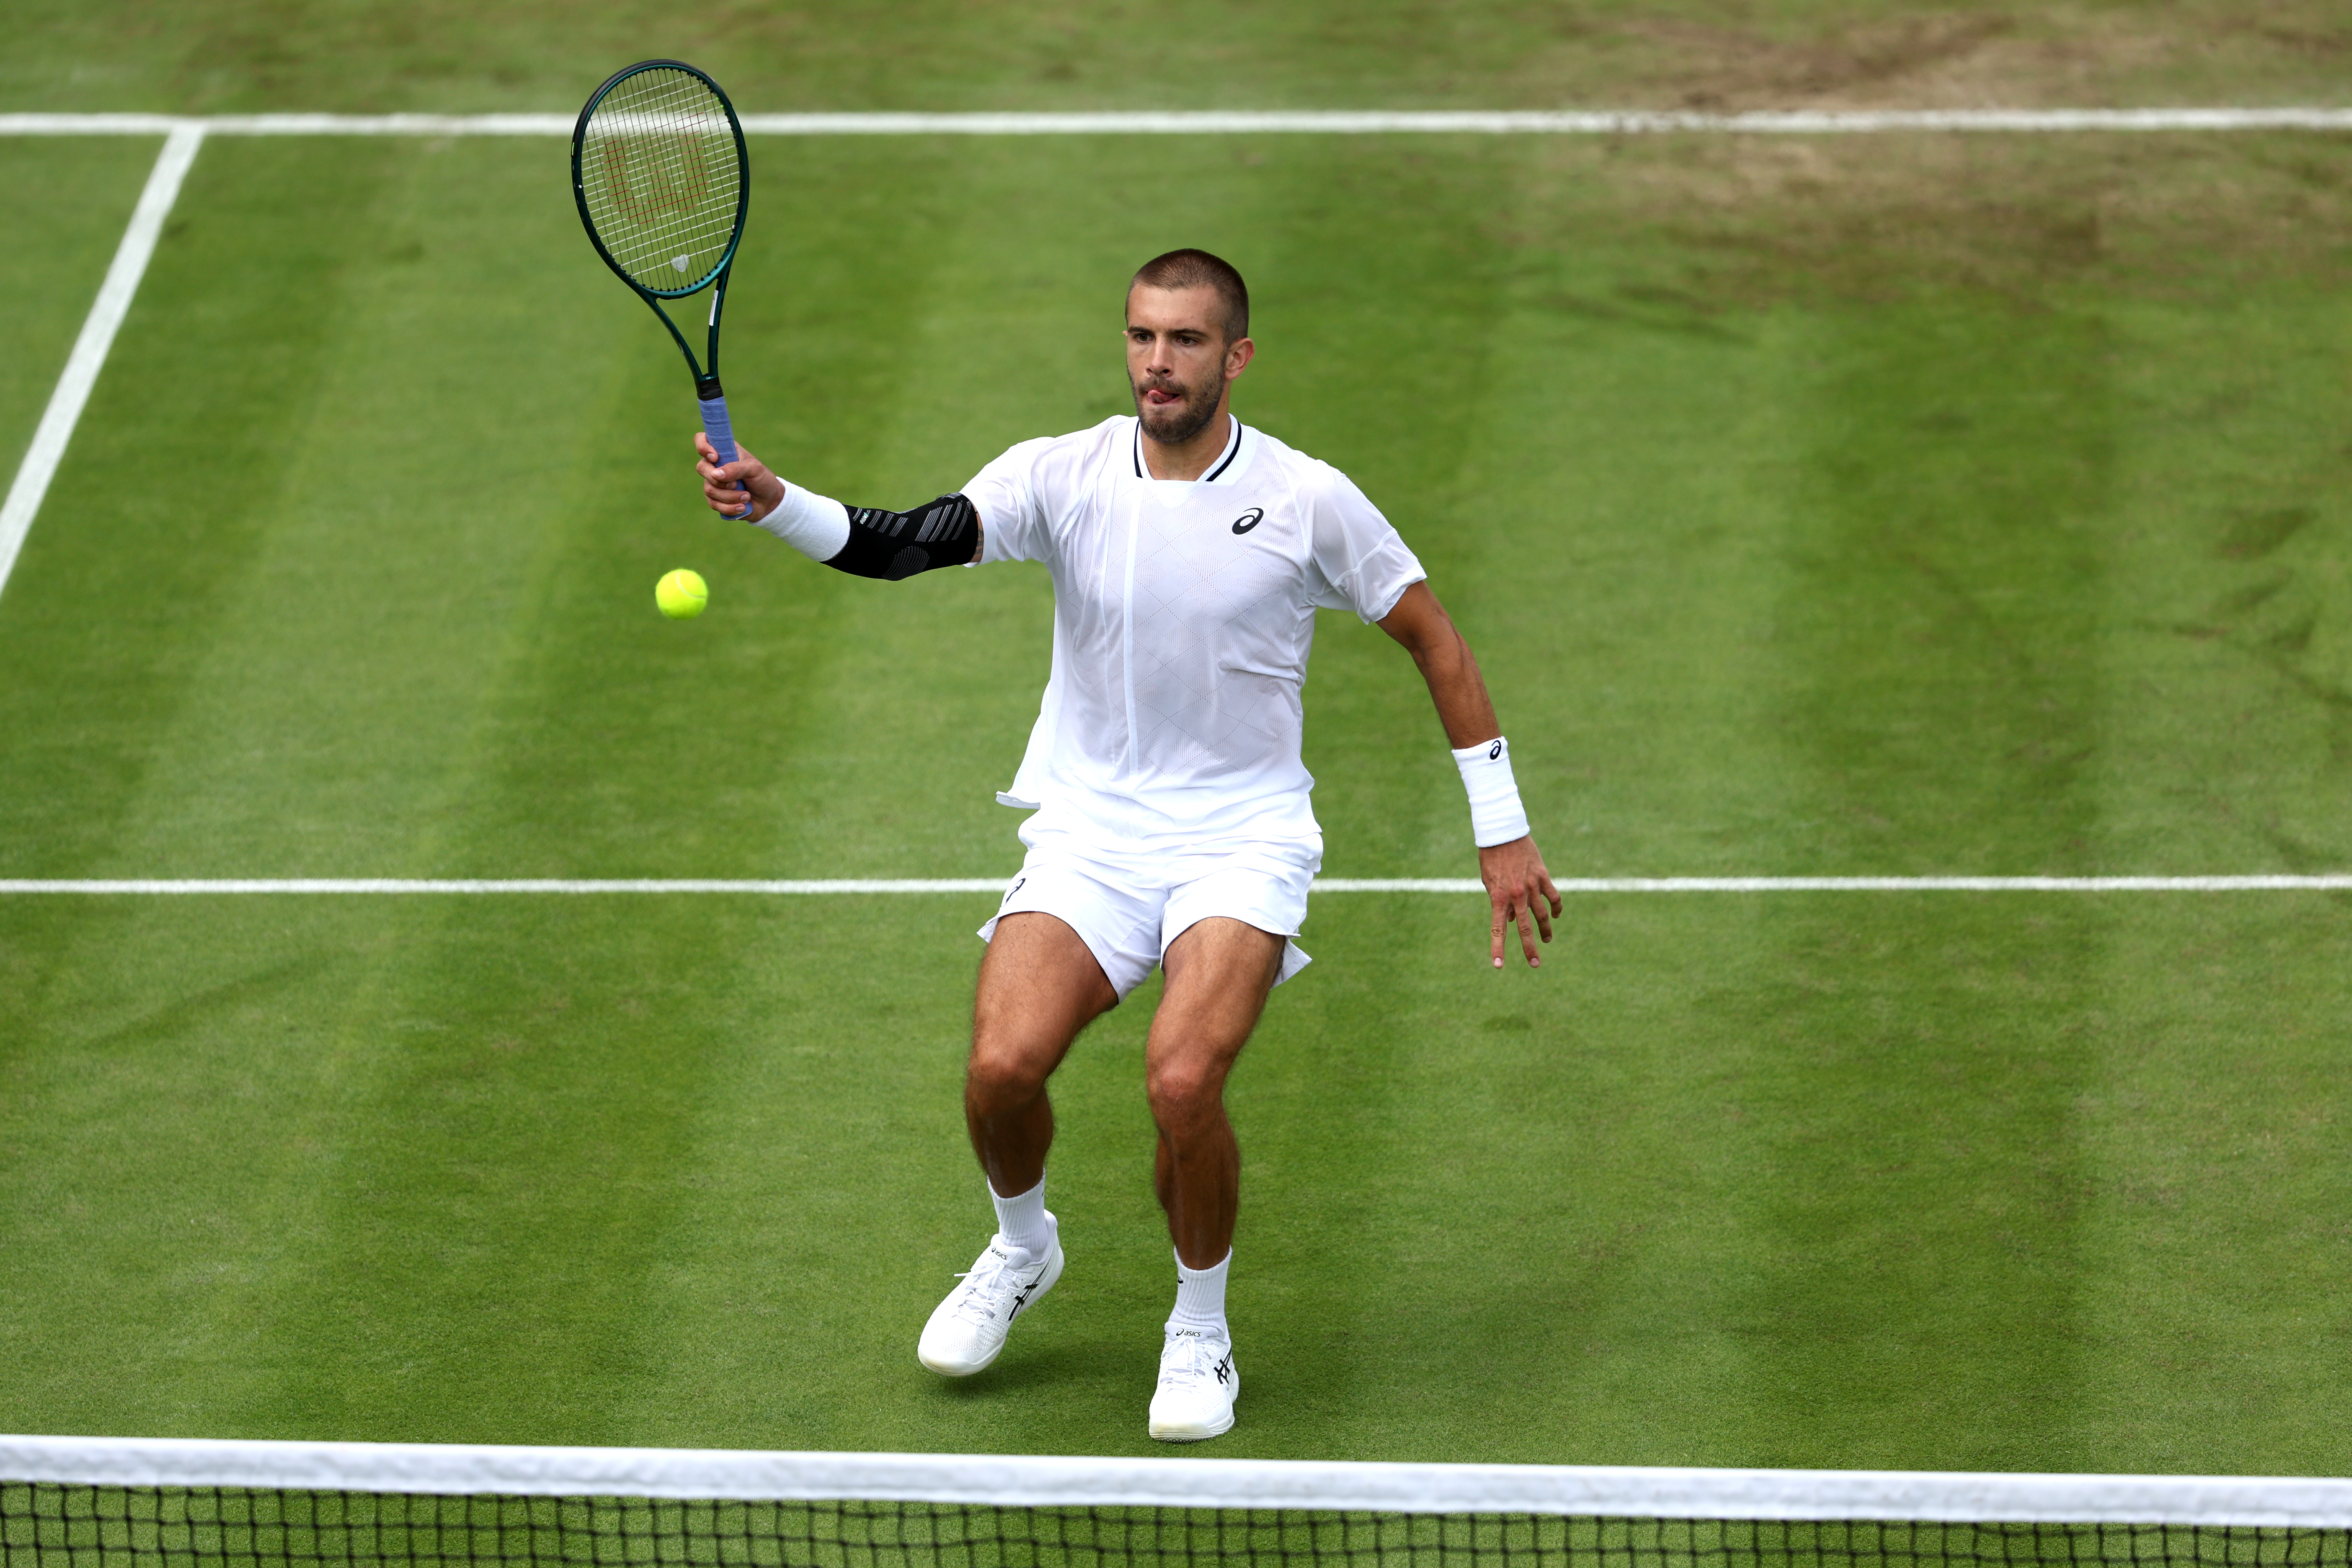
[{"x": 663, "y": 183}]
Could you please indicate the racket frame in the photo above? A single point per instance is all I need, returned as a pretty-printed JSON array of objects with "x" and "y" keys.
[{"x": 704, "y": 371}]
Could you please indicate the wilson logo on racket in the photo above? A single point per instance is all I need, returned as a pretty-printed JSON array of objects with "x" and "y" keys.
[
  {"x": 671, "y": 176},
  {"x": 1249, "y": 519}
]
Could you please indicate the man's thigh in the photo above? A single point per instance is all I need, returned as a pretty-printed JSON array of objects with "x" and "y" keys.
[
  {"x": 1040, "y": 984},
  {"x": 1219, "y": 972},
  {"x": 1117, "y": 915}
]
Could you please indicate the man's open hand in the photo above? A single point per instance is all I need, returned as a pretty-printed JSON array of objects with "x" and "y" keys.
[
  {"x": 723, "y": 484},
  {"x": 1521, "y": 891}
]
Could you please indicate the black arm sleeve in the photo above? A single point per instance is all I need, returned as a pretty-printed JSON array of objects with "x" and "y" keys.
[{"x": 894, "y": 546}]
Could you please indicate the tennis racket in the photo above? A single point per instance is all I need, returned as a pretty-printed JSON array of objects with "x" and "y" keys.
[{"x": 658, "y": 169}]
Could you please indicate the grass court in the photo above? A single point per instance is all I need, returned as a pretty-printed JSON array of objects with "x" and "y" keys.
[{"x": 1886, "y": 505}]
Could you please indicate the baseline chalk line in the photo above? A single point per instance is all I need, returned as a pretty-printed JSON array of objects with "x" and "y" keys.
[
  {"x": 821, "y": 887},
  {"x": 1198, "y": 122},
  {"x": 72, "y": 391}
]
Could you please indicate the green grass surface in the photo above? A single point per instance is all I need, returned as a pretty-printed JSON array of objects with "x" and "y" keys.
[
  {"x": 85, "y": 190},
  {"x": 1900, "y": 507},
  {"x": 1825, "y": 1181},
  {"x": 235, "y": 54}
]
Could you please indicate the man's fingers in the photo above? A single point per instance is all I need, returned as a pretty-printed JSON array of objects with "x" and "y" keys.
[
  {"x": 718, "y": 476},
  {"x": 1523, "y": 893},
  {"x": 725, "y": 478}
]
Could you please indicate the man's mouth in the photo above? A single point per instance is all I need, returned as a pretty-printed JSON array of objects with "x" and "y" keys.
[{"x": 1161, "y": 397}]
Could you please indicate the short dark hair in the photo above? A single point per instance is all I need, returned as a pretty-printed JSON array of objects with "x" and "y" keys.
[{"x": 1199, "y": 269}]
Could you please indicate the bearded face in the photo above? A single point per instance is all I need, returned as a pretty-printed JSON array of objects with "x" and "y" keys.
[
  {"x": 1179, "y": 360},
  {"x": 1175, "y": 409}
]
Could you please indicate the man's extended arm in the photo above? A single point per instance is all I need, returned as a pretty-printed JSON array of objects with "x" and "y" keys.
[
  {"x": 1517, "y": 882},
  {"x": 865, "y": 542}
]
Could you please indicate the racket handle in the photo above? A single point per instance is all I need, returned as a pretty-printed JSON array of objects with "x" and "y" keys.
[{"x": 717, "y": 426}]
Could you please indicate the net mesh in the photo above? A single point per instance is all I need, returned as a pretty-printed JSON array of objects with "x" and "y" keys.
[
  {"x": 51, "y": 1525},
  {"x": 662, "y": 179}
]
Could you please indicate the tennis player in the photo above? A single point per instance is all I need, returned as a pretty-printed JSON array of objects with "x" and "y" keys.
[{"x": 1171, "y": 822}]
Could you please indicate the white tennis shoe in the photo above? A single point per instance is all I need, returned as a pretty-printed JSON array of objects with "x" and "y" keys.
[
  {"x": 967, "y": 1328},
  {"x": 1197, "y": 1386}
]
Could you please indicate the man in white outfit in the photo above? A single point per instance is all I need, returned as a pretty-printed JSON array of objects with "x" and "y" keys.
[{"x": 1171, "y": 823}]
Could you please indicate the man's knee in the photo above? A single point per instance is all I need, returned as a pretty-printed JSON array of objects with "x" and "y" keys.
[
  {"x": 1183, "y": 1092},
  {"x": 1003, "y": 1076}
]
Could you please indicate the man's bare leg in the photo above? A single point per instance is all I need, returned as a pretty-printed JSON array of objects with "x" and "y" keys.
[
  {"x": 1219, "y": 972},
  {"x": 1039, "y": 986}
]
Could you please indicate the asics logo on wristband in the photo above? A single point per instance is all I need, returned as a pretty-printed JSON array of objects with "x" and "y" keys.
[
  {"x": 1495, "y": 751},
  {"x": 1249, "y": 519}
]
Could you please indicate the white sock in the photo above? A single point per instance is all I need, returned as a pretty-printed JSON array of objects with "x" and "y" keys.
[
  {"x": 1023, "y": 1222},
  {"x": 1201, "y": 1297}
]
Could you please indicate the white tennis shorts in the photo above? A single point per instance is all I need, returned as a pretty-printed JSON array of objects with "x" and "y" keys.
[{"x": 1127, "y": 908}]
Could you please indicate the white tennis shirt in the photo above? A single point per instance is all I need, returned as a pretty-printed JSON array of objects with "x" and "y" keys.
[{"x": 1183, "y": 610}]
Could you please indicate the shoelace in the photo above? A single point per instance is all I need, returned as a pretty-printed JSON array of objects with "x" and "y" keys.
[
  {"x": 984, "y": 1286},
  {"x": 1189, "y": 1356}
]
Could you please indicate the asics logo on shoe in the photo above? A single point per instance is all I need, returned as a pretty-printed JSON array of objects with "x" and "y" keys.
[
  {"x": 1021, "y": 1300},
  {"x": 1224, "y": 1369},
  {"x": 1249, "y": 519}
]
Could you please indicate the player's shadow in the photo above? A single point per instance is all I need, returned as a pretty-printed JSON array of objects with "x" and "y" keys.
[
  {"x": 1085, "y": 1376},
  {"x": 1027, "y": 1367}
]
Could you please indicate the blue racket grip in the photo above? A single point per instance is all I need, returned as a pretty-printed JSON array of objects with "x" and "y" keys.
[{"x": 721, "y": 431}]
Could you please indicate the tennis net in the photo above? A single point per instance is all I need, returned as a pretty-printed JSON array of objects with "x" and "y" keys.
[{"x": 79, "y": 1502}]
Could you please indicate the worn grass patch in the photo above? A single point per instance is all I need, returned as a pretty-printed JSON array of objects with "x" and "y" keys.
[{"x": 223, "y": 55}]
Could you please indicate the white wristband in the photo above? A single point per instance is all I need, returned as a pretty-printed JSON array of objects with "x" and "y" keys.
[
  {"x": 817, "y": 526},
  {"x": 1496, "y": 815}
]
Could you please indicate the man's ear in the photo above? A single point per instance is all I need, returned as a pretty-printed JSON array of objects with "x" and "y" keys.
[{"x": 1237, "y": 357}]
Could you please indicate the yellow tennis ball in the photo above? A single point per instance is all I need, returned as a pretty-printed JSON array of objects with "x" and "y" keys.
[{"x": 681, "y": 595}]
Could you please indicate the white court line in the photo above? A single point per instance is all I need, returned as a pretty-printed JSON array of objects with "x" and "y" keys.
[
  {"x": 524, "y": 885},
  {"x": 90, "y": 350},
  {"x": 185, "y": 134},
  {"x": 1343, "y": 122},
  {"x": 828, "y": 885}
]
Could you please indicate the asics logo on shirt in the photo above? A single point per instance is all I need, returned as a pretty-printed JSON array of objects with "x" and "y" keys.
[{"x": 1249, "y": 519}]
